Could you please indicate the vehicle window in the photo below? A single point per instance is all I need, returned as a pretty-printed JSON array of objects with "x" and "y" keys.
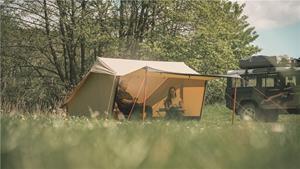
[
  {"x": 236, "y": 82},
  {"x": 290, "y": 81},
  {"x": 268, "y": 82},
  {"x": 250, "y": 82},
  {"x": 246, "y": 82}
]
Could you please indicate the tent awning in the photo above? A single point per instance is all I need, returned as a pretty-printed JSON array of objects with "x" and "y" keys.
[
  {"x": 121, "y": 67},
  {"x": 190, "y": 76}
]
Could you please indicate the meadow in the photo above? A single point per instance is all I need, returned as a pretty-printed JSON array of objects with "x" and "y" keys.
[{"x": 38, "y": 141}]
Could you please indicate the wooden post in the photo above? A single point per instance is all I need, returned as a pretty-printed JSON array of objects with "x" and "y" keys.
[
  {"x": 145, "y": 92},
  {"x": 234, "y": 102}
]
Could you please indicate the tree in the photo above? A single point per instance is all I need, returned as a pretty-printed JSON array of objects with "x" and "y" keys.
[{"x": 52, "y": 43}]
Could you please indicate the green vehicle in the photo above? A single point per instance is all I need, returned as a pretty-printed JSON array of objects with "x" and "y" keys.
[{"x": 266, "y": 88}]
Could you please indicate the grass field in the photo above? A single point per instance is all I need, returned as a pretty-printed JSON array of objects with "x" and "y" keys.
[{"x": 54, "y": 142}]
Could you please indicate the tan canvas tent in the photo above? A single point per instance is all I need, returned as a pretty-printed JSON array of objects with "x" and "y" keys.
[{"x": 149, "y": 81}]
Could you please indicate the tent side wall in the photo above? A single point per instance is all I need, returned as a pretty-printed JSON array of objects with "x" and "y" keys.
[
  {"x": 194, "y": 97},
  {"x": 191, "y": 91},
  {"x": 95, "y": 95}
]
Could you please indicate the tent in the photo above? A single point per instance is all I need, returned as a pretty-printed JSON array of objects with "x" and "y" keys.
[{"x": 149, "y": 81}]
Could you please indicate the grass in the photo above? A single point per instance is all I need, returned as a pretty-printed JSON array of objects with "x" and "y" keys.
[{"x": 54, "y": 142}]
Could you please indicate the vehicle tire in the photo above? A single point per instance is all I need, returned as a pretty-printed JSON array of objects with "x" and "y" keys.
[
  {"x": 248, "y": 112},
  {"x": 293, "y": 111},
  {"x": 271, "y": 115}
]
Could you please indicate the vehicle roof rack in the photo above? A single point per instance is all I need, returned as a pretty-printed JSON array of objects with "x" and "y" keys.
[{"x": 262, "y": 61}]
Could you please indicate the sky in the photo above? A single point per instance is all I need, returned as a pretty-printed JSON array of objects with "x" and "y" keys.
[{"x": 277, "y": 23}]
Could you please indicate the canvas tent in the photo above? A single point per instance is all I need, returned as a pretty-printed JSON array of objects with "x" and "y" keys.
[{"x": 149, "y": 81}]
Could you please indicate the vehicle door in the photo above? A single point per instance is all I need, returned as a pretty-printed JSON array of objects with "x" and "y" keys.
[
  {"x": 248, "y": 89},
  {"x": 272, "y": 85},
  {"x": 291, "y": 89}
]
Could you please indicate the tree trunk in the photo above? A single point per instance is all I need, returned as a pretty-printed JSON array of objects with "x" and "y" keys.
[
  {"x": 82, "y": 39},
  {"x": 121, "y": 29},
  {"x": 62, "y": 17},
  {"x": 53, "y": 52}
]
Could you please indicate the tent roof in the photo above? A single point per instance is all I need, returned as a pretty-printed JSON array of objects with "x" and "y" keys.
[{"x": 122, "y": 67}]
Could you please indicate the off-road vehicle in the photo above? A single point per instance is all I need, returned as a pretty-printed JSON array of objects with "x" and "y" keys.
[{"x": 269, "y": 85}]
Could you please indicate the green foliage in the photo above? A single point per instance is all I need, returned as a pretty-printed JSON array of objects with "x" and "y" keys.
[
  {"x": 211, "y": 37},
  {"x": 39, "y": 141},
  {"x": 49, "y": 45}
]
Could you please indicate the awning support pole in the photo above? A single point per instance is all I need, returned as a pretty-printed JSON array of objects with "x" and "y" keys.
[
  {"x": 234, "y": 102},
  {"x": 144, "y": 102},
  {"x": 134, "y": 103}
]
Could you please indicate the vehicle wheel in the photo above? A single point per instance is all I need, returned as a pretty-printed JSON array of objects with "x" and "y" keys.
[
  {"x": 293, "y": 111},
  {"x": 248, "y": 112},
  {"x": 271, "y": 115}
]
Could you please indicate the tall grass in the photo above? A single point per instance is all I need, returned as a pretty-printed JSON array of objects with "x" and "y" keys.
[{"x": 36, "y": 141}]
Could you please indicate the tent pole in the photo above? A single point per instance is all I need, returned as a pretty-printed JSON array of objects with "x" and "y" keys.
[
  {"x": 130, "y": 113},
  {"x": 234, "y": 102},
  {"x": 144, "y": 102},
  {"x": 203, "y": 99}
]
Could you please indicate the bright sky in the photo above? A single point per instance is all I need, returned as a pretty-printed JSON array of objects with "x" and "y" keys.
[{"x": 278, "y": 24}]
